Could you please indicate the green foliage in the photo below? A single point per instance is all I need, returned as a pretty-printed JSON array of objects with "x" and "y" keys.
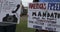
[
  {"x": 24, "y": 12},
  {"x": 22, "y": 27}
]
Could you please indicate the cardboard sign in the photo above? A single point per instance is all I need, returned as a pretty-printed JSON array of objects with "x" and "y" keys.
[
  {"x": 44, "y": 16},
  {"x": 10, "y": 11}
]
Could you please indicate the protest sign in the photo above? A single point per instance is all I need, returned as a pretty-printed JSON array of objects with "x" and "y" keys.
[
  {"x": 44, "y": 16},
  {"x": 10, "y": 11}
]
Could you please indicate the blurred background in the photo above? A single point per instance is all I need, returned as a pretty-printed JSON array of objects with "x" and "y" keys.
[{"x": 22, "y": 27}]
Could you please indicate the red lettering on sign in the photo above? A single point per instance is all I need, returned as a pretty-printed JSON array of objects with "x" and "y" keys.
[{"x": 37, "y": 6}]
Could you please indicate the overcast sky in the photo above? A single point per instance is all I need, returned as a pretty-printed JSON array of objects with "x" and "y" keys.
[{"x": 25, "y": 2}]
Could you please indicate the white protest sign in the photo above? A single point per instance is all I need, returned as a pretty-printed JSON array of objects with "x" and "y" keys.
[
  {"x": 10, "y": 11},
  {"x": 44, "y": 16}
]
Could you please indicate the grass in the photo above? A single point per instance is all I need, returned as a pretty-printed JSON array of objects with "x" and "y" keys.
[{"x": 22, "y": 27}]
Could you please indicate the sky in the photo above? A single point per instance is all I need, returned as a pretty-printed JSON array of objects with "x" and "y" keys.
[{"x": 25, "y": 2}]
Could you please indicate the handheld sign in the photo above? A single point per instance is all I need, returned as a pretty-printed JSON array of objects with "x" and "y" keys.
[
  {"x": 44, "y": 16},
  {"x": 10, "y": 11}
]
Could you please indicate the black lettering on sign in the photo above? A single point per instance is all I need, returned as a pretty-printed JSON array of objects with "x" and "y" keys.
[
  {"x": 48, "y": 14},
  {"x": 30, "y": 21},
  {"x": 39, "y": 14},
  {"x": 52, "y": 15},
  {"x": 44, "y": 14},
  {"x": 33, "y": 13},
  {"x": 58, "y": 15},
  {"x": 55, "y": 15}
]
